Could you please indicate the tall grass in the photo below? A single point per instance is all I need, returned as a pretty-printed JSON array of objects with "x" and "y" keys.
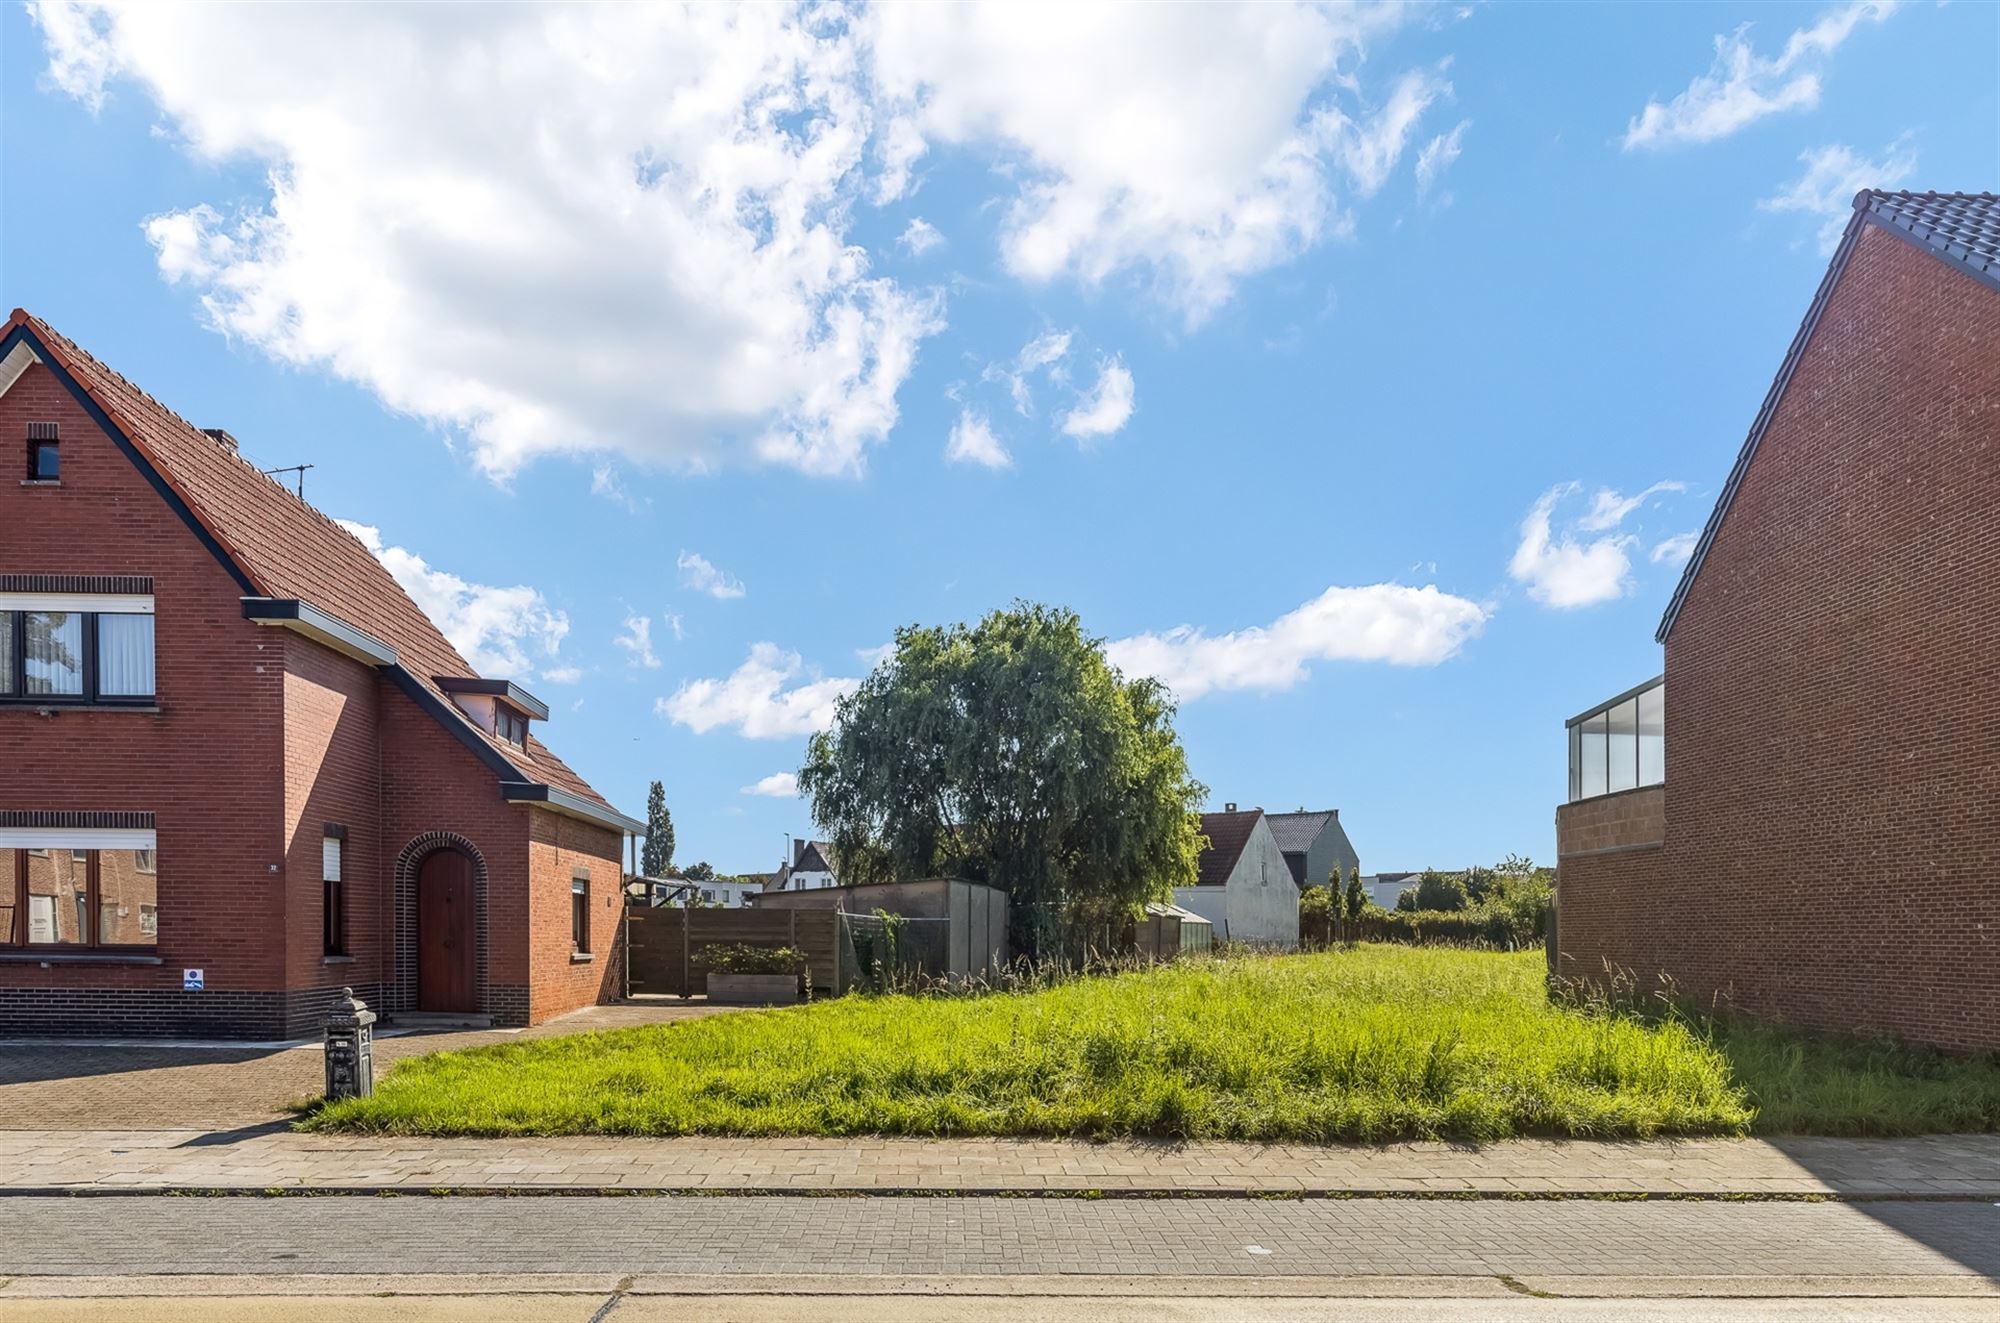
[{"x": 1368, "y": 1043}]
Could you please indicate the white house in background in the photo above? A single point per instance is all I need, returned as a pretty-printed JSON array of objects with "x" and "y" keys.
[
  {"x": 1244, "y": 886},
  {"x": 1385, "y": 888},
  {"x": 811, "y": 868},
  {"x": 732, "y": 893}
]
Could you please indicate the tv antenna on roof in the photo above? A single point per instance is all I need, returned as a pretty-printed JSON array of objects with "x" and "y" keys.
[{"x": 299, "y": 469}]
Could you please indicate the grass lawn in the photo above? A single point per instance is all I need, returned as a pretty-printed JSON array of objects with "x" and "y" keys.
[{"x": 1376, "y": 1042}]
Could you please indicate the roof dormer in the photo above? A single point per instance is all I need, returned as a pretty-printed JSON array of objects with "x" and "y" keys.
[{"x": 501, "y": 708}]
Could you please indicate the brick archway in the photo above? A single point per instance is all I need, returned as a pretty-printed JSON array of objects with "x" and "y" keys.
[{"x": 403, "y": 993}]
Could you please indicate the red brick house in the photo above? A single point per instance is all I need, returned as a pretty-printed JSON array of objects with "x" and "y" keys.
[
  {"x": 1810, "y": 828},
  {"x": 239, "y": 767}
]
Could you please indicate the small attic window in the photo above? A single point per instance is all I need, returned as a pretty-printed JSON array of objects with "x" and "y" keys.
[
  {"x": 510, "y": 725},
  {"x": 44, "y": 453}
]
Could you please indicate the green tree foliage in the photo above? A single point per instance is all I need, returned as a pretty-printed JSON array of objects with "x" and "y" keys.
[
  {"x": 700, "y": 872},
  {"x": 1010, "y": 752},
  {"x": 658, "y": 855},
  {"x": 1315, "y": 904},
  {"x": 1357, "y": 896},
  {"x": 1437, "y": 891}
]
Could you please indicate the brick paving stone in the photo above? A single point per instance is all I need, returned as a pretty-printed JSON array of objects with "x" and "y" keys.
[
  {"x": 50, "y": 1086},
  {"x": 1197, "y": 1238},
  {"x": 261, "y": 1157}
]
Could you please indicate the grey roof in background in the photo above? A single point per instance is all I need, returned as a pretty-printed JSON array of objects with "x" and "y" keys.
[
  {"x": 1297, "y": 831},
  {"x": 1963, "y": 228}
]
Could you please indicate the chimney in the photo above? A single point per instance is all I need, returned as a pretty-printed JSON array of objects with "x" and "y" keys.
[
  {"x": 221, "y": 438},
  {"x": 1230, "y": 807}
]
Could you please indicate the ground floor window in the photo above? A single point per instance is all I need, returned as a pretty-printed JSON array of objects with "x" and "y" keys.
[
  {"x": 78, "y": 896},
  {"x": 579, "y": 914}
]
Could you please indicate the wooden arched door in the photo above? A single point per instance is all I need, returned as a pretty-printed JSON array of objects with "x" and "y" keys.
[{"x": 447, "y": 934}]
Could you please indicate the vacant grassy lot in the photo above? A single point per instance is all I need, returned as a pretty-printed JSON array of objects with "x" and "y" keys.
[
  {"x": 1373, "y": 1043},
  {"x": 1377, "y": 1042}
]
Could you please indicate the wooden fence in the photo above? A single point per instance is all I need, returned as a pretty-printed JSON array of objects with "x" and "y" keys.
[{"x": 665, "y": 945}]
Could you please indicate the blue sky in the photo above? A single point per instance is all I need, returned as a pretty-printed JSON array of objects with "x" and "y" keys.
[{"x": 1315, "y": 356}]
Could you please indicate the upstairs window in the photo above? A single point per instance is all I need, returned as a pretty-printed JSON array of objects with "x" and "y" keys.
[
  {"x": 510, "y": 726},
  {"x": 44, "y": 453},
  {"x": 75, "y": 656}
]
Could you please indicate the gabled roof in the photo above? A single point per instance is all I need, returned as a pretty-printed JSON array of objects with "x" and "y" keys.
[
  {"x": 1227, "y": 834},
  {"x": 814, "y": 857},
  {"x": 278, "y": 547},
  {"x": 1296, "y": 832},
  {"x": 1962, "y": 230}
]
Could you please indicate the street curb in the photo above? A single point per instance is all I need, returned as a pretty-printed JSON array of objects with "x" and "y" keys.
[
  {"x": 979, "y": 1192},
  {"x": 1059, "y": 1286}
]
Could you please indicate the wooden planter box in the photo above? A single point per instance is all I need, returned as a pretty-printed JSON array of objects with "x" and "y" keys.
[{"x": 754, "y": 989}]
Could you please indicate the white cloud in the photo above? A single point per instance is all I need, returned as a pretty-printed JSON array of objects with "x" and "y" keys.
[
  {"x": 920, "y": 236},
  {"x": 1106, "y": 409},
  {"x": 1742, "y": 87},
  {"x": 1382, "y": 622},
  {"x": 562, "y": 674},
  {"x": 1046, "y": 354},
  {"x": 1675, "y": 550},
  {"x": 1564, "y": 570},
  {"x": 1106, "y": 119},
  {"x": 1438, "y": 155},
  {"x": 1609, "y": 508},
  {"x": 778, "y": 785},
  {"x": 1833, "y": 175},
  {"x": 499, "y": 631},
  {"x": 697, "y": 573},
  {"x": 772, "y": 695},
  {"x": 554, "y": 229},
  {"x": 638, "y": 641},
  {"x": 972, "y": 442},
  {"x": 675, "y": 624}
]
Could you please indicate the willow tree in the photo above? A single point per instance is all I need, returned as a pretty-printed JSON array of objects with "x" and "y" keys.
[{"x": 1010, "y": 752}]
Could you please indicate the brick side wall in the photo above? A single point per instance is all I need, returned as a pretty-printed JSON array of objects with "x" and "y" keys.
[
  {"x": 1833, "y": 740},
  {"x": 558, "y": 848},
  {"x": 1623, "y": 821},
  {"x": 204, "y": 764},
  {"x": 332, "y": 776}
]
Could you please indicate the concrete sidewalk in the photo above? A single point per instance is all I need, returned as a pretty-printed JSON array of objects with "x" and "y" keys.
[{"x": 271, "y": 1158}]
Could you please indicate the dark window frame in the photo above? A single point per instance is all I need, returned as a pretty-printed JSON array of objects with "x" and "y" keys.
[
  {"x": 510, "y": 726},
  {"x": 17, "y": 939},
  {"x": 579, "y": 914},
  {"x": 333, "y": 895},
  {"x": 42, "y": 448},
  {"x": 14, "y": 686}
]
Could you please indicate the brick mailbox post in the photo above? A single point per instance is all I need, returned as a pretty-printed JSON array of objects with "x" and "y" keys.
[{"x": 350, "y": 1048}]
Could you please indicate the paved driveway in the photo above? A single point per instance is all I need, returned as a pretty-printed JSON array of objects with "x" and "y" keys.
[{"x": 152, "y": 1087}]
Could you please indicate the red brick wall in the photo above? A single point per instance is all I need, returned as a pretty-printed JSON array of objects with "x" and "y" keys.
[
  {"x": 1833, "y": 736},
  {"x": 558, "y": 847},
  {"x": 431, "y": 783},
  {"x": 204, "y": 764},
  {"x": 333, "y": 775},
  {"x": 1618, "y": 821}
]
